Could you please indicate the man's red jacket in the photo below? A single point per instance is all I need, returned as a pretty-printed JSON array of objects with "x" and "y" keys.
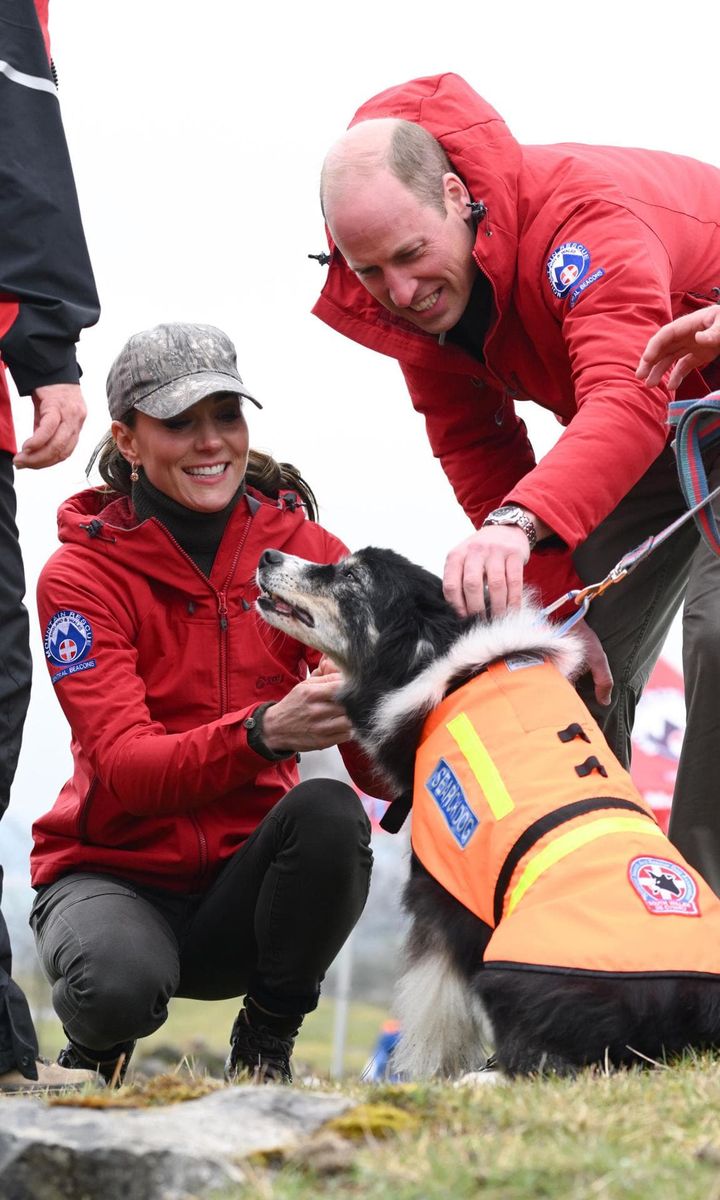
[
  {"x": 588, "y": 250},
  {"x": 156, "y": 667}
]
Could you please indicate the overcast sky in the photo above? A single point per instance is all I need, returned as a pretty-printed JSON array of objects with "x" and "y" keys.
[{"x": 197, "y": 131}]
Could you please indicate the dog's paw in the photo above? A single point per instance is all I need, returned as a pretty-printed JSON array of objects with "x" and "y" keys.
[{"x": 477, "y": 1079}]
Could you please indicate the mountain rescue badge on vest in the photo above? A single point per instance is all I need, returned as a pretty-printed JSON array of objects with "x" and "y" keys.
[{"x": 664, "y": 887}]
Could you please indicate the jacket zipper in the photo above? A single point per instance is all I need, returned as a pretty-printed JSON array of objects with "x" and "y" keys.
[{"x": 223, "y": 620}]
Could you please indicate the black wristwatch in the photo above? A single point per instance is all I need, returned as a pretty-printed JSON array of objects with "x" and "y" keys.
[
  {"x": 256, "y": 741},
  {"x": 512, "y": 514}
]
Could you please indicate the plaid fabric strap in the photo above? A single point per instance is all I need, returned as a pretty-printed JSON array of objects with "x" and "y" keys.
[{"x": 697, "y": 428}]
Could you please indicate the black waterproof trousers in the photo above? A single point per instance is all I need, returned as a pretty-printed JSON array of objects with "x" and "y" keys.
[{"x": 18, "y": 1041}]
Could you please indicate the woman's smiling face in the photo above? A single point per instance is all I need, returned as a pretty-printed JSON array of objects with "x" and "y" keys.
[{"x": 197, "y": 458}]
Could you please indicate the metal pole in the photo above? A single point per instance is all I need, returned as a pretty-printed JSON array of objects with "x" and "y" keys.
[{"x": 342, "y": 1002}]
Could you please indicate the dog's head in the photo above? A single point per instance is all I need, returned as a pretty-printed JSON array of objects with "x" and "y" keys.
[{"x": 372, "y": 606}]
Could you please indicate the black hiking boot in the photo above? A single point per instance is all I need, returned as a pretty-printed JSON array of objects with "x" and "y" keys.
[
  {"x": 258, "y": 1052},
  {"x": 104, "y": 1062}
]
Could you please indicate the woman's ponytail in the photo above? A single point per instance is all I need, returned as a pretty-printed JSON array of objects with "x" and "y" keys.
[{"x": 271, "y": 477}]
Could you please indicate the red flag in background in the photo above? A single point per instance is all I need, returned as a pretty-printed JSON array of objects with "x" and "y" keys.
[{"x": 657, "y": 738}]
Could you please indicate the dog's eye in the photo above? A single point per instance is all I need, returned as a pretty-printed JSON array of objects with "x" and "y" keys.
[{"x": 350, "y": 575}]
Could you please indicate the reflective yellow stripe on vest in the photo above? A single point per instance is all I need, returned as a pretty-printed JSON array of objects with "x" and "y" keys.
[
  {"x": 464, "y": 733},
  {"x": 560, "y": 847}
]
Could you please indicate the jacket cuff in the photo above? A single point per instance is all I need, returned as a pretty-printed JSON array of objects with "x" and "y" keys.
[
  {"x": 27, "y": 377},
  {"x": 254, "y": 726}
]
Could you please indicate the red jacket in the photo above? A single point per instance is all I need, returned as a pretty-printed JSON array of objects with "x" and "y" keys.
[
  {"x": 156, "y": 667},
  {"x": 646, "y": 231},
  {"x": 47, "y": 290}
]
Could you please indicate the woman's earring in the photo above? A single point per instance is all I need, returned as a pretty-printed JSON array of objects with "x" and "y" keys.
[{"x": 134, "y": 472}]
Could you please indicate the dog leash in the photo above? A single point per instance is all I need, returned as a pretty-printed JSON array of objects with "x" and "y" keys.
[{"x": 697, "y": 426}]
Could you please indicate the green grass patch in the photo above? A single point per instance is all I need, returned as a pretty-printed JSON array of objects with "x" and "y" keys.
[{"x": 629, "y": 1136}]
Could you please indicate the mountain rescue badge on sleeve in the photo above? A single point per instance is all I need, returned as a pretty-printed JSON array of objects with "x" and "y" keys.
[{"x": 68, "y": 641}]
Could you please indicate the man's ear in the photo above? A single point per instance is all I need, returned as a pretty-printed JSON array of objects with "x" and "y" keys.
[
  {"x": 457, "y": 197},
  {"x": 125, "y": 440}
]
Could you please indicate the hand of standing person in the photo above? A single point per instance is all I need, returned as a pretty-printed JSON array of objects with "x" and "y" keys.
[
  {"x": 484, "y": 574},
  {"x": 686, "y": 344},
  {"x": 60, "y": 412}
]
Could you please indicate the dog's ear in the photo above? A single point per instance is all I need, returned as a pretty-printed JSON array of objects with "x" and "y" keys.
[{"x": 417, "y": 628}]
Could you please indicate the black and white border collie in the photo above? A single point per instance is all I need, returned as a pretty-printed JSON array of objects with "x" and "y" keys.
[{"x": 402, "y": 648}]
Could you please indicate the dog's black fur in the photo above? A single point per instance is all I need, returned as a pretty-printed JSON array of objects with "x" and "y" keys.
[{"x": 390, "y": 622}]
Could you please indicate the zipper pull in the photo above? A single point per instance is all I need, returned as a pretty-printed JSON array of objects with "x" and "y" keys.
[{"x": 222, "y": 611}]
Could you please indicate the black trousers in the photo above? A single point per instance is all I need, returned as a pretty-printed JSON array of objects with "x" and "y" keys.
[
  {"x": 269, "y": 926},
  {"x": 18, "y": 1041}
]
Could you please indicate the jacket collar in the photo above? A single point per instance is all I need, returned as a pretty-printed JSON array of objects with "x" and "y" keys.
[{"x": 101, "y": 522}]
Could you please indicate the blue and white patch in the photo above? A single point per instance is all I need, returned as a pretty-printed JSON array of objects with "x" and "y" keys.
[
  {"x": 68, "y": 641},
  {"x": 578, "y": 291},
  {"x": 664, "y": 887},
  {"x": 445, "y": 789},
  {"x": 566, "y": 266}
]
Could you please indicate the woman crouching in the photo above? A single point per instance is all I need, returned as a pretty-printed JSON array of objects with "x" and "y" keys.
[{"x": 183, "y": 857}]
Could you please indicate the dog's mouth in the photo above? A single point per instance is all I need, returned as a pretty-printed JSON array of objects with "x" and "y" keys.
[{"x": 271, "y": 602}]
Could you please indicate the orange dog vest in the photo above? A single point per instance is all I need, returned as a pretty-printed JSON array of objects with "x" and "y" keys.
[{"x": 521, "y": 811}]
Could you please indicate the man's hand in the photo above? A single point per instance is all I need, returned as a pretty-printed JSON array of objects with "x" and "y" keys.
[
  {"x": 596, "y": 662},
  {"x": 59, "y": 415},
  {"x": 309, "y": 717},
  {"x": 690, "y": 342},
  {"x": 484, "y": 574}
]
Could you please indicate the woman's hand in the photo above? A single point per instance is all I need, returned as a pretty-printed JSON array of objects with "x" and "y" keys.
[{"x": 309, "y": 717}]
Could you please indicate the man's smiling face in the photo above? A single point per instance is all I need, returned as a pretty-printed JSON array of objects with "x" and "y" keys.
[{"x": 414, "y": 260}]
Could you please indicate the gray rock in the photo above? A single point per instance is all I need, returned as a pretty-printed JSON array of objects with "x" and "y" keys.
[{"x": 173, "y": 1152}]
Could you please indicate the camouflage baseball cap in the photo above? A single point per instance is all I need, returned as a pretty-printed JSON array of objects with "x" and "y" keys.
[{"x": 163, "y": 371}]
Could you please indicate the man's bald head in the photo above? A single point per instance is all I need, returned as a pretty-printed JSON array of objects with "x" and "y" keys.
[{"x": 407, "y": 150}]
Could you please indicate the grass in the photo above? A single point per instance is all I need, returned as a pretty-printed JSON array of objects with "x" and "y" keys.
[{"x": 629, "y": 1136}]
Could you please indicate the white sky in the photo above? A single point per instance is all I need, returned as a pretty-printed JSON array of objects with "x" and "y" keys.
[{"x": 197, "y": 131}]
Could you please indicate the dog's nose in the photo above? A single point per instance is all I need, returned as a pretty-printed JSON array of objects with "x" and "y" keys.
[{"x": 271, "y": 558}]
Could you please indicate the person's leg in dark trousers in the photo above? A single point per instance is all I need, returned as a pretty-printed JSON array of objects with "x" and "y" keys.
[
  {"x": 695, "y": 814},
  {"x": 18, "y": 1040},
  {"x": 271, "y": 924},
  {"x": 111, "y": 955},
  {"x": 277, "y": 916},
  {"x": 633, "y": 617}
]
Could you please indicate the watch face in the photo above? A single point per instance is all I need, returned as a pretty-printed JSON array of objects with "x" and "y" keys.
[{"x": 508, "y": 512}]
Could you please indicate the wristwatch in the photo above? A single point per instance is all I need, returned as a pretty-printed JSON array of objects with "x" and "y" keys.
[
  {"x": 512, "y": 514},
  {"x": 255, "y": 739}
]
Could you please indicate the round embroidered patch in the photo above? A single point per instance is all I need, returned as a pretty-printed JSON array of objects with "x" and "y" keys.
[
  {"x": 68, "y": 638},
  {"x": 566, "y": 266},
  {"x": 664, "y": 887}
]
